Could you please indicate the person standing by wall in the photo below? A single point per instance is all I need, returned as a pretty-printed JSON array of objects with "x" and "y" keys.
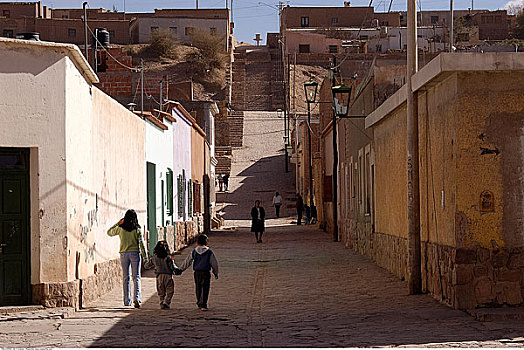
[
  {"x": 277, "y": 203},
  {"x": 226, "y": 182},
  {"x": 300, "y": 208},
  {"x": 258, "y": 216},
  {"x": 132, "y": 252}
]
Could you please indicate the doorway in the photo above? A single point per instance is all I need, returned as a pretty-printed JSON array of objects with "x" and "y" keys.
[{"x": 15, "y": 286}]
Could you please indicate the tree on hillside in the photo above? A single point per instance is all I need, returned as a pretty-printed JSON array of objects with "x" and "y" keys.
[
  {"x": 208, "y": 59},
  {"x": 162, "y": 44},
  {"x": 518, "y": 31}
]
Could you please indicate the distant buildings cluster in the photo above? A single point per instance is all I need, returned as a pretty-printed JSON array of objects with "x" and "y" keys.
[{"x": 67, "y": 26}]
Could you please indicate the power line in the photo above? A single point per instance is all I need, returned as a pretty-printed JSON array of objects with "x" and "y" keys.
[{"x": 117, "y": 61}]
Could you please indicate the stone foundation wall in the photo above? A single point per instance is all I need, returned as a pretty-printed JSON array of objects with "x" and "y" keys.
[
  {"x": 78, "y": 293},
  {"x": 484, "y": 277},
  {"x": 107, "y": 275},
  {"x": 464, "y": 278},
  {"x": 390, "y": 252},
  {"x": 437, "y": 271},
  {"x": 57, "y": 294}
]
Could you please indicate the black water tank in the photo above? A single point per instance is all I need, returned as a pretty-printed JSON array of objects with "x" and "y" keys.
[
  {"x": 28, "y": 36},
  {"x": 103, "y": 36}
]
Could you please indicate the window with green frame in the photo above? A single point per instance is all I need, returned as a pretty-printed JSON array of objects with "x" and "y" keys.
[
  {"x": 169, "y": 184},
  {"x": 190, "y": 198},
  {"x": 180, "y": 196}
]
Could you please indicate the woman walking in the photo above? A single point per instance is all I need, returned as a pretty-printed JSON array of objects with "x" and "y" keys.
[
  {"x": 257, "y": 221},
  {"x": 132, "y": 251},
  {"x": 277, "y": 202}
]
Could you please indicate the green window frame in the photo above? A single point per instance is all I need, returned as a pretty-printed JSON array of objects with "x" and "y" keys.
[
  {"x": 190, "y": 198},
  {"x": 169, "y": 189}
]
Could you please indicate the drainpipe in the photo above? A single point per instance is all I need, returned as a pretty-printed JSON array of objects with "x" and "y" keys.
[
  {"x": 85, "y": 30},
  {"x": 413, "y": 209},
  {"x": 451, "y": 37}
]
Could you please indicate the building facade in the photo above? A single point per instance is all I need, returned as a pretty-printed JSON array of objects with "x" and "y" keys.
[
  {"x": 62, "y": 197},
  {"x": 470, "y": 211}
]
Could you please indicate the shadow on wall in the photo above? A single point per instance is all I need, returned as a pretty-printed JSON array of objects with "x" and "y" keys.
[{"x": 261, "y": 180}]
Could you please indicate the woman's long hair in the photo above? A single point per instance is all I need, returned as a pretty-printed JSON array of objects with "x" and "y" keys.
[
  {"x": 130, "y": 221},
  {"x": 161, "y": 249}
]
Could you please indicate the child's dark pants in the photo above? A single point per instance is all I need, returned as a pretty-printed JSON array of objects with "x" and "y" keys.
[{"x": 202, "y": 284}]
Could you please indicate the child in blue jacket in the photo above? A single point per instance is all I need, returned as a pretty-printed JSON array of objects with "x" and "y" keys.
[{"x": 203, "y": 261}]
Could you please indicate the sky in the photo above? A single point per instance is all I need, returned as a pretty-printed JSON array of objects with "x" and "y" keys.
[{"x": 254, "y": 16}]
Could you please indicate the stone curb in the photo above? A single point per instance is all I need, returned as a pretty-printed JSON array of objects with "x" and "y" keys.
[
  {"x": 498, "y": 314},
  {"x": 35, "y": 313}
]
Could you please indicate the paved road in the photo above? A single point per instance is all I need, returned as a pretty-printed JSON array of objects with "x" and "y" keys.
[{"x": 297, "y": 289}]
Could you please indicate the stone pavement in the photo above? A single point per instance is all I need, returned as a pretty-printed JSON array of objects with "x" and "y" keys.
[
  {"x": 258, "y": 170},
  {"x": 296, "y": 289}
]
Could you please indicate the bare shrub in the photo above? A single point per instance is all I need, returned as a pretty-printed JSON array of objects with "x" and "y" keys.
[
  {"x": 208, "y": 59},
  {"x": 162, "y": 44}
]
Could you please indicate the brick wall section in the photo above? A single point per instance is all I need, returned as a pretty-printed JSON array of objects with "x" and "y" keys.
[
  {"x": 239, "y": 77},
  {"x": 236, "y": 128},
  {"x": 223, "y": 154},
  {"x": 124, "y": 85}
]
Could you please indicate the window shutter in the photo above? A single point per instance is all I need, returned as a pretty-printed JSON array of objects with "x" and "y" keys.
[
  {"x": 190, "y": 198},
  {"x": 180, "y": 193},
  {"x": 169, "y": 180}
]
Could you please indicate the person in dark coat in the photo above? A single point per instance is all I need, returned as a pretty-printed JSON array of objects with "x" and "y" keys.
[
  {"x": 257, "y": 221},
  {"x": 300, "y": 209}
]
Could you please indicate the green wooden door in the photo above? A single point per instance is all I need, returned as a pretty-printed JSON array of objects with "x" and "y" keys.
[
  {"x": 14, "y": 227},
  {"x": 151, "y": 206}
]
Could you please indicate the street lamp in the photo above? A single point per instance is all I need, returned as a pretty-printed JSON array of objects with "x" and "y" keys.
[
  {"x": 341, "y": 97},
  {"x": 310, "y": 90}
]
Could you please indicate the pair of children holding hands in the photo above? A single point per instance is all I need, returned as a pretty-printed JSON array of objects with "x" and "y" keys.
[{"x": 203, "y": 261}]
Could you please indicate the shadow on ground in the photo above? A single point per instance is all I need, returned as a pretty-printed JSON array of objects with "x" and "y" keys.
[
  {"x": 260, "y": 181},
  {"x": 298, "y": 289}
]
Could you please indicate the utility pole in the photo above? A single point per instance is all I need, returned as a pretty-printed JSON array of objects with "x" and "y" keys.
[
  {"x": 413, "y": 209},
  {"x": 142, "y": 87},
  {"x": 451, "y": 38},
  {"x": 335, "y": 162},
  {"x": 160, "y": 101},
  {"x": 310, "y": 156},
  {"x": 85, "y": 30},
  {"x": 294, "y": 82},
  {"x": 197, "y": 4}
]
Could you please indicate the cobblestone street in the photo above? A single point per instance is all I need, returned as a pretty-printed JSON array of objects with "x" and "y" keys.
[{"x": 296, "y": 289}]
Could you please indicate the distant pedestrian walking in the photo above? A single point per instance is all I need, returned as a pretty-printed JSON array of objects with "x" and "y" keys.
[
  {"x": 226, "y": 182},
  {"x": 220, "y": 182},
  {"x": 165, "y": 268},
  {"x": 258, "y": 215},
  {"x": 277, "y": 202},
  {"x": 131, "y": 243},
  {"x": 203, "y": 261},
  {"x": 308, "y": 214},
  {"x": 300, "y": 208}
]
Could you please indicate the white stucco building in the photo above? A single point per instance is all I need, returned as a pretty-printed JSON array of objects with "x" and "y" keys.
[
  {"x": 182, "y": 162},
  {"x": 72, "y": 161},
  {"x": 159, "y": 167}
]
